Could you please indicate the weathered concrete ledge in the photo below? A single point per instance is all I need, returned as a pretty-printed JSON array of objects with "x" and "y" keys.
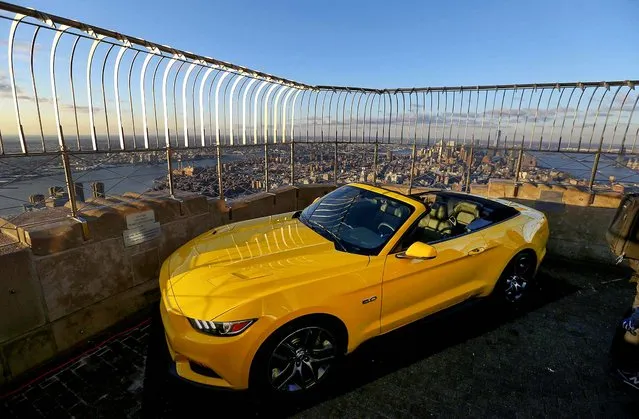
[{"x": 64, "y": 281}]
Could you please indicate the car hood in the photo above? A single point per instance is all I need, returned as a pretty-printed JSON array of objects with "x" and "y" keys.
[{"x": 233, "y": 264}]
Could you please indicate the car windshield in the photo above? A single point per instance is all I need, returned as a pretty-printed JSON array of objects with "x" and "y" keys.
[{"x": 356, "y": 220}]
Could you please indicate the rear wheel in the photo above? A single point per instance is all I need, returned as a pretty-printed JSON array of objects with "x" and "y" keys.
[
  {"x": 517, "y": 281},
  {"x": 298, "y": 358}
]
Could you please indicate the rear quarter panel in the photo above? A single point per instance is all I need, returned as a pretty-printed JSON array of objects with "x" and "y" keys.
[{"x": 528, "y": 230}]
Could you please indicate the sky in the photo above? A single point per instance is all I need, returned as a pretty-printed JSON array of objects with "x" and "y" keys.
[{"x": 388, "y": 44}]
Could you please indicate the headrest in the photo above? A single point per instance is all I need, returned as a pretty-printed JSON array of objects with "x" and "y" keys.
[
  {"x": 438, "y": 211},
  {"x": 467, "y": 207}
]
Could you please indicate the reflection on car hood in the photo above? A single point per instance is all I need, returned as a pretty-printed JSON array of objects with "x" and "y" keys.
[{"x": 232, "y": 264}]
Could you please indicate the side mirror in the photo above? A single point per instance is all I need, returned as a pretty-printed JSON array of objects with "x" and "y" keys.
[{"x": 418, "y": 250}]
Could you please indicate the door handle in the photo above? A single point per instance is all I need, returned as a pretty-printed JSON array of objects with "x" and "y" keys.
[{"x": 476, "y": 251}]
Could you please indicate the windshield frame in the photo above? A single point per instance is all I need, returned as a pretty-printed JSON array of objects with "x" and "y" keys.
[{"x": 346, "y": 246}]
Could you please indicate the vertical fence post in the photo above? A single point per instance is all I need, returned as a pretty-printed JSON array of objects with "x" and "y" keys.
[
  {"x": 335, "y": 165},
  {"x": 292, "y": 163},
  {"x": 593, "y": 174},
  {"x": 220, "y": 184},
  {"x": 470, "y": 165},
  {"x": 266, "y": 167},
  {"x": 520, "y": 157},
  {"x": 68, "y": 178},
  {"x": 169, "y": 166},
  {"x": 412, "y": 168},
  {"x": 375, "y": 163}
]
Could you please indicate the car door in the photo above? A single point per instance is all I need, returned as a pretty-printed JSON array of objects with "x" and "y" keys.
[{"x": 414, "y": 288}]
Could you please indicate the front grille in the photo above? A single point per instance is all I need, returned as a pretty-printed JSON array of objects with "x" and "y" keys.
[{"x": 202, "y": 370}]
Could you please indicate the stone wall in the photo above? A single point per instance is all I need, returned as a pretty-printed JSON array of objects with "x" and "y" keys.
[
  {"x": 64, "y": 281},
  {"x": 578, "y": 218}
]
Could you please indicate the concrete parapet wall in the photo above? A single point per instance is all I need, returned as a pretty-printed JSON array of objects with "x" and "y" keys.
[
  {"x": 578, "y": 218},
  {"x": 64, "y": 281}
]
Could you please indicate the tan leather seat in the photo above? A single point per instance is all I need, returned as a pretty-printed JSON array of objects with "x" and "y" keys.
[
  {"x": 465, "y": 213},
  {"x": 436, "y": 219}
]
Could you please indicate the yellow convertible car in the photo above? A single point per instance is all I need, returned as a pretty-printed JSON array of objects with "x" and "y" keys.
[{"x": 273, "y": 303}]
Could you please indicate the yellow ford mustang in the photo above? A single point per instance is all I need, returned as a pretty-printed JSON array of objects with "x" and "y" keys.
[{"x": 273, "y": 303}]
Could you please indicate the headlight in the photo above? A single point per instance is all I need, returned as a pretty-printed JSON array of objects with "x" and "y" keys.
[{"x": 221, "y": 328}]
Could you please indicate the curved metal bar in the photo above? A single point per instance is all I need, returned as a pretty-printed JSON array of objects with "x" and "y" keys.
[
  {"x": 390, "y": 115},
  {"x": 452, "y": 120},
  {"x": 284, "y": 112},
  {"x": 483, "y": 120},
  {"x": 217, "y": 107},
  {"x": 308, "y": 114},
  {"x": 237, "y": 80},
  {"x": 337, "y": 111},
  {"x": 167, "y": 130},
  {"x": 12, "y": 78},
  {"x": 251, "y": 114},
  {"x": 396, "y": 107},
  {"x": 543, "y": 127},
  {"x": 437, "y": 115},
  {"x": 193, "y": 96},
  {"x": 185, "y": 110},
  {"x": 207, "y": 73},
  {"x": 563, "y": 122},
  {"x": 614, "y": 131},
  {"x": 175, "y": 114},
  {"x": 94, "y": 45},
  {"x": 632, "y": 112},
  {"x": 106, "y": 112},
  {"x": 54, "y": 91},
  {"x": 255, "y": 114},
  {"x": 323, "y": 103},
  {"x": 423, "y": 116},
  {"x": 521, "y": 99},
  {"x": 581, "y": 131},
  {"x": 370, "y": 119},
  {"x": 155, "y": 110},
  {"x": 470, "y": 97},
  {"x": 135, "y": 138},
  {"x": 368, "y": 96},
  {"x": 575, "y": 116},
  {"x": 532, "y": 136},
  {"x": 459, "y": 120},
  {"x": 594, "y": 124},
  {"x": 475, "y": 118},
  {"x": 501, "y": 111},
  {"x": 350, "y": 118},
  {"x": 238, "y": 104},
  {"x": 603, "y": 131},
  {"x": 357, "y": 116},
  {"x": 410, "y": 106},
  {"x": 430, "y": 117},
  {"x": 224, "y": 107},
  {"x": 445, "y": 112},
  {"x": 251, "y": 82},
  {"x": 118, "y": 110},
  {"x": 330, "y": 108},
  {"x": 348, "y": 93},
  {"x": 35, "y": 90},
  {"x": 265, "y": 121},
  {"x": 276, "y": 102},
  {"x": 211, "y": 96},
  {"x": 401, "y": 133},
  {"x": 293, "y": 117},
  {"x": 75, "y": 108},
  {"x": 145, "y": 126}
]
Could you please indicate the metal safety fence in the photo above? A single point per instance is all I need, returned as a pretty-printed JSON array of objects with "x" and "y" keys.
[{"x": 86, "y": 103}]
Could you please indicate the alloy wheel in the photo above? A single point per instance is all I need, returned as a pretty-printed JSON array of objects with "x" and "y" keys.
[
  {"x": 518, "y": 280},
  {"x": 302, "y": 359}
]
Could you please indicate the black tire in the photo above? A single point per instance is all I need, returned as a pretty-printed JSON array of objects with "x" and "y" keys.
[
  {"x": 517, "y": 282},
  {"x": 294, "y": 346}
]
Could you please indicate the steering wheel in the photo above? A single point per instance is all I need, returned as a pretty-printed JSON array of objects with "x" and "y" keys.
[{"x": 386, "y": 225}]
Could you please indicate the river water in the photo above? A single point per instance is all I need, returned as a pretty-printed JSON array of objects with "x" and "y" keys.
[{"x": 140, "y": 177}]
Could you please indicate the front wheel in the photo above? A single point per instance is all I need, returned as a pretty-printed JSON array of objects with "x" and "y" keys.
[
  {"x": 297, "y": 359},
  {"x": 517, "y": 281}
]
